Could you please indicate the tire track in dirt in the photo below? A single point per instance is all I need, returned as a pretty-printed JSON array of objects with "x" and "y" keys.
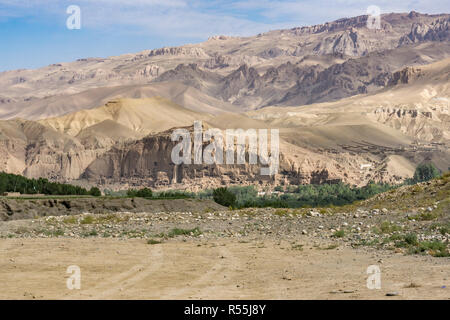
[
  {"x": 5, "y": 246},
  {"x": 119, "y": 283},
  {"x": 201, "y": 286}
]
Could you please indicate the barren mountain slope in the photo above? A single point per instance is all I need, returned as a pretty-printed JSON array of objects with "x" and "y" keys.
[
  {"x": 141, "y": 115},
  {"x": 58, "y": 105},
  {"x": 391, "y": 131},
  {"x": 417, "y": 104},
  {"x": 317, "y": 69}
]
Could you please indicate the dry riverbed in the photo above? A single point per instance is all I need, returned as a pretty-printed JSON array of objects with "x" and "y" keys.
[{"x": 206, "y": 269}]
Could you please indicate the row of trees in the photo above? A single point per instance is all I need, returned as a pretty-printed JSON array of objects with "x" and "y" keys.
[
  {"x": 304, "y": 196},
  {"x": 170, "y": 194},
  {"x": 16, "y": 183},
  {"x": 141, "y": 193},
  {"x": 312, "y": 195},
  {"x": 235, "y": 196}
]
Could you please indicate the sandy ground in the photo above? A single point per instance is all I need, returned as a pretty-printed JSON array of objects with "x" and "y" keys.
[{"x": 200, "y": 269}]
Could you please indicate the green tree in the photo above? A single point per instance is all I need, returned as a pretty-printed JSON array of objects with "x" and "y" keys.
[
  {"x": 131, "y": 192},
  {"x": 95, "y": 192},
  {"x": 144, "y": 193},
  {"x": 425, "y": 172},
  {"x": 141, "y": 193},
  {"x": 224, "y": 197}
]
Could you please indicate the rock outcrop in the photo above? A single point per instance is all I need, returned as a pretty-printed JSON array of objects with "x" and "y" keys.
[{"x": 437, "y": 30}]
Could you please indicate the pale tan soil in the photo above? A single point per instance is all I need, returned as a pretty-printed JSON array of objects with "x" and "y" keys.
[{"x": 208, "y": 269}]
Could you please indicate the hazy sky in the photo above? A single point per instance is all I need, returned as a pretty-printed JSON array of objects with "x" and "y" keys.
[{"x": 33, "y": 33}]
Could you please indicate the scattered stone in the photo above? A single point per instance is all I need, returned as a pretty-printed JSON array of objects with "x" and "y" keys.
[{"x": 314, "y": 213}]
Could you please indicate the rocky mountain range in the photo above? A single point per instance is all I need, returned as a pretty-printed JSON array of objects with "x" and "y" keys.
[{"x": 343, "y": 97}]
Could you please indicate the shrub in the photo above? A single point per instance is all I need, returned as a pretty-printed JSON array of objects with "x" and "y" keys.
[
  {"x": 87, "y": 220},
  {"x": 144, "y": 193},
  {"x": 411, "y": 239},
  {"x": 281, "y": 212},
  {"x": 184, "y": 232},
  {"x": 435, "y": 248},
  {"x": 174, "y": 194},
  {"x": 387, "y": 227},
  {"x": 95, "y": 192},
  {"x": 70, "y": 220},
  {"x": 339, "y": 234},
  {"x": 141, "y": 193},
  {"x": 224, "y": 197}
]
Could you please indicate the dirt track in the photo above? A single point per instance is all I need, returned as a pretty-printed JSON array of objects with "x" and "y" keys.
[{"x": 199, "y": 269}]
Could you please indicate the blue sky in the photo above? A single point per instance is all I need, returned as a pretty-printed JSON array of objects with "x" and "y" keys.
[{"x": 33, "y": 33}]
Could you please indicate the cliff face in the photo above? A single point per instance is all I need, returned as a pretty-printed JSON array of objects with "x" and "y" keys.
[
  {"x": 427, "y": 125},
  {"x": 437, "y": 30},
  {"x": 148, "y": 162},
  {"x": 34, "y": 150},
  {"x": 405, "y": 76}
]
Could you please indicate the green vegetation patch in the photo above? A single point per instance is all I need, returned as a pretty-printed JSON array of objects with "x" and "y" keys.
[
  {"x": 435, "y": 248},
  {"x": 387, "y": 227},
  {"x": 91, "y": 233},
  {"x": 17, "y": 183},
  {"x": 70, "y": 220},
  {"x": 195, "y": 232},
  {"x": 184, "y": 232},
  {"x": 153, "y": 241},
  {"x": 412, "y": 245},
  {"x": 339, "y": 234},
  {"x": 87, "y": 220}
]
